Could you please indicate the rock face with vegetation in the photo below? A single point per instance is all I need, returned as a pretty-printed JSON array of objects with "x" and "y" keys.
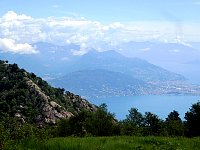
[{"x": 30, "y": 99}]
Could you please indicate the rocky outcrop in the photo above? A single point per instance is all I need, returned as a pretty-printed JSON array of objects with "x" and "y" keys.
[
  {"x": 27, "y": 97},
  {"x": 52, "y": 111},
  {"x": 79, "y": 103}
]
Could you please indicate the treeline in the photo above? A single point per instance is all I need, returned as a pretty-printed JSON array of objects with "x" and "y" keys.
[{"x": 102, "y": 123}]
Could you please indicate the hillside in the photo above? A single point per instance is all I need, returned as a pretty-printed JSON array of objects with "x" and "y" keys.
[
  {"x": 33, "y": 100},
  {"x": 100, "y": 83}
]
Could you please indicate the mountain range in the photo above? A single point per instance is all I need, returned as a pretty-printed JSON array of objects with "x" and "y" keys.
[
  {"x": 107, "y": 73},
  {"x": 180, "y": 57}
]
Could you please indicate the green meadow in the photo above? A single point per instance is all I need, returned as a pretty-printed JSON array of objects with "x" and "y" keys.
[{"x": 113, "y": 143}]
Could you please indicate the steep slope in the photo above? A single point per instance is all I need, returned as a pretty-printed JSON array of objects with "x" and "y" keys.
[{"x": 31, "y": 99}]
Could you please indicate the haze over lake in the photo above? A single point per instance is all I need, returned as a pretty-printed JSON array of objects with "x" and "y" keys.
[{"x": 159, "y": 105}]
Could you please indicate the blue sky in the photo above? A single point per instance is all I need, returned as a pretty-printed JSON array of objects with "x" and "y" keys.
[
  {"x": 108, "y": 10},
  {"x": 92, "y": 23}
]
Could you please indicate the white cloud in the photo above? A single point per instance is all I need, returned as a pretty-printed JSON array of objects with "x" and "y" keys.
[
  {"x": 9, "y": 45},
  {"x": 83, "y": 50},
  {"x": 22, "y": 28},
  {"x": 10, "y": 16}
]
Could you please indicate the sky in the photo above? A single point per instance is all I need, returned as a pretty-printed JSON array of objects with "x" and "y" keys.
[
  {"x": 92, "y": 23},
  {"x": 107, "y": 10}
]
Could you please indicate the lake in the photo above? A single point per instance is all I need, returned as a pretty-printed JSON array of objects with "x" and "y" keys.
[{"x": 159, "y": 105}]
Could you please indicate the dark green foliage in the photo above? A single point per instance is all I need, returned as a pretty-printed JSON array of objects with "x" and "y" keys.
[
  {"x": 192, "y": 118},
  {"x": 77, "y": 125},
  {"x": 99, "y": 123},
  {"x": 138, "y": 124},
  {"x": 174, "y": 115},
  {"x": 152, "y": 124},
  {"x": 12, "y": 132},
  {"x": 174, "y": 125},
  {"x": 17, "y": 97},
  {"x": 135, "y": 117},
  {"x": 133, "y": 123},
  {"x": 4, "y": 136},
  {"x": 103, "y": 122},
  {"x": 63, "y": 128},
  {"x": 14, "y": 93}
]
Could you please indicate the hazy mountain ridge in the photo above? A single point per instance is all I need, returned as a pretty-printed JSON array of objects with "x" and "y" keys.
[
  {"x": 100, "y": 83},
  {"x": 177, "y": 57},
  {"x": 157, "y": 51},
  {"x": 60, "y": 63},
  {"x": 105, "y": 67},
  {"x": 135, "y": 67}
]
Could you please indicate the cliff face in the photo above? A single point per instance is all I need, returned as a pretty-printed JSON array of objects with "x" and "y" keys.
[{"x": 30, "y": 99}]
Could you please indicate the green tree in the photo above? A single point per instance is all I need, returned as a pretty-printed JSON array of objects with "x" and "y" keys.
[
  {"x": 174, "y": 124},
  {"x": 174, "y": 115},
  {"x": 63, "y": 129},
  {"x": 4, "y": 136},
  {"x": 81, "y": 123},
  {"x": 99, "y": 123},
  {"x": 133, "y": 123},
  {"x": 103, "y": 122},
  {"x": 192, "y": 118},
  {"x": 152, "y": 124},
  {"x": 135, "y": 117}
]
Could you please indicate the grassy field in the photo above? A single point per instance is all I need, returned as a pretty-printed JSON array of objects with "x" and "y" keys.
[{"x": 114, "y": 143}]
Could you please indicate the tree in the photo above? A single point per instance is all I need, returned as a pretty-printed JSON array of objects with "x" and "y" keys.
[
  {"x": 135, "y": 117},
  {"x": 4, "y": 136},
  {"x": 174, "y": 125},
  {"x": 174, "y": 115},
  {"x": 99, "y": 123},
  {"x": 133, "y": 123},
  {"x": 152, "y": 124},
  {"x": 192, "y": 118},
  {"x": 103, "y": 122},
  {"x": 64, "y": 128}
]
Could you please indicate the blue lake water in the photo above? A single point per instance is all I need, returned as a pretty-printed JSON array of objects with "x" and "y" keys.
[{"x": 159, "y": 105}]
